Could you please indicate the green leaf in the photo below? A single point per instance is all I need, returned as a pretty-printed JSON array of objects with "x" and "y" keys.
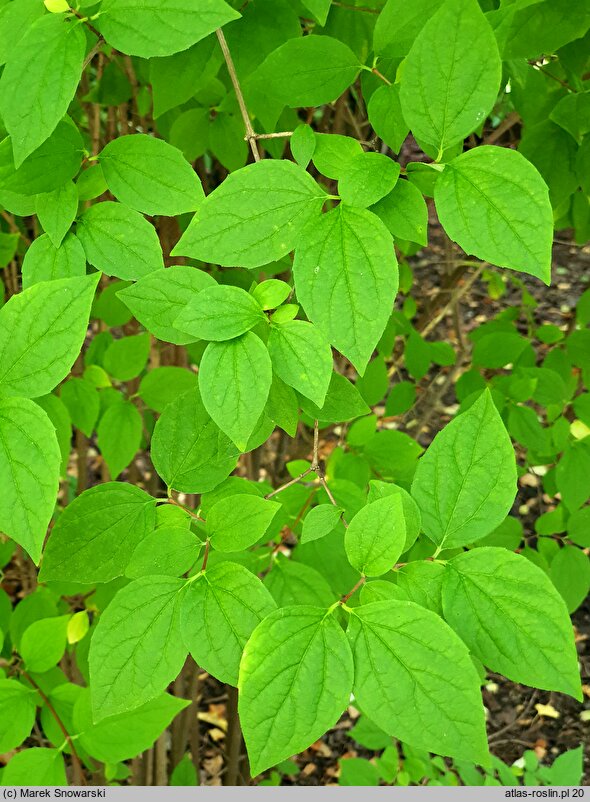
[
  {"x": 150, "y": 176},
  {"x": 512, "y": 618},
  {"x": 43, "y": 643},
  {"x": 220, "y": 610},
  {"x": 175, "y": 78},
  {"x": 333, "y": 152},
  {"x": 302, "y": 144},
  {"x": 309, "y": 71},
  {"x": 41, "y": 331},
  {"x": 124, "y": 359},
  {"x": 56, "y": 211},
  {"x": 45, "y": 262},
  {"x": 59, "y": 416},
  {"x": 157, "y": 299},
  {"x": 367, "y": 178},
  {"x": 29, "y": 473},
  {"x": 96, "y": 534},
  {"x": 149, "y": 28},
  {"x": 126, "y": 735},
  {"x": 400, "y": 23},
  {"x": 570, "y": 573},
  {"x": 290, "y": 582},
  {"x": 412, "y": 517},
  {"x": 17, "y": 713},
  {"x": 295, "y": 680},
  {"x": 572, "y": 474},
  {"x": 495, "y": 205},
  {"x": 421, "y": 582},
  {"x": 83, "y": 403},
  {"x": 40, "y": 80},
  {"x": 236, "y": 522},
  {"x": 466, "y": 482},
  {"x": 302, "y": 358},
  {"x": 572, "y": 113},
  {"x": 404, "y": 212},
  {"x": 136, "y": 649},
  {"x": 15, "y": 20},
  {"x": 386, "y": 117},
  {"x": 254, "y": 217},
  {"x": 271, "y": 293},
  {"x": 167, "y": 551},
  {"x": 53, "y": 163},
  {"x": 119, "y": 241},
  {"x": 235, "y": 379},
  {"x": 376, "y": 536},
  {"x": 402, "y": 652},
  {"x": 319, "y": 522},
  {"x": 36, "y": 767},
  {"x": 220, "y": 312},
  {"x": 343, "y": 402},
  {"x": 345, "y": 269},
  {"x": 188, "y": 449},
  {"x": 451, "y": 75},
  {"x": 119, "y": 436},
  {"x": 161, "y": 386}
]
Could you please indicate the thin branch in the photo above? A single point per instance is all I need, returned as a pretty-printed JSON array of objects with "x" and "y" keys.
[
  {"x": 250, "y": 133},
  {"x": 294, "y": 481},
  {"x": 206, "y": 554},
  {"x": 459, "y": 293},
  {"x": 359, "y": 584},
  {"x": 92, "y": 53},
  {"x": 276, "y": 135},
  {"x": 186, "y": 509},
  {"x": 316, "y": 444},
  {"x": 376, "y": 72},
  {"x": 75, "y": 758}
]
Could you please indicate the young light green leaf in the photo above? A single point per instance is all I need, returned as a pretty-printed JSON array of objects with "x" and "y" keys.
[
  {"x": 57, "y": 210},
  {"x": 150, "y": 176},
  {"x": 149, "y": 28},
  {"x": 495, "y": 205},
  {"x": 309, "y": 71},
  {"x": 401, "y": 652},
  {"x": 220, "y": 610},
  {"x": 189, "y": 450},
  {"x": 137, "y": 648},
  {"x": 167, "y": 551},
  {"x": 41, "y": 331},
  {"x": 319, "y": 522},
  {"x": 466, "y": 482},
  {"x": 412, "y": 517},
  {"x": 345, "y": 269},
  {"x": 29, "y": 472},
  {"x": 40, "y": 80},
  {"x": 511, "y": 617},
  {"x": 53, "y": 163},
  {"x": 17, "y": 713},
  {"x": 44, "y": 642},
  {"x": 125, "y": 358},
  {"x": 95, "y": 536},
  {"x": 235, "y": 379},
  {"x": 119, "y": 435},
  {"x": 119, "y": 241},
  {"x": 451, "y": 75},
  {"x": 367, "y": 178},
  {"x": 45, "y": 262},
  {"x": 404, "y": 212},
  {"x": 82, "y": 401},
  {"x": 271, "y": 293},
  {"x": 126, "y": 735},
  {"x": 236, "y": 522},
  {"x": 220, "y": 312},
  {"x": 302, "y": 358},
  {"x": 36, "y": 766},
  {"x": 295, "y": 680},
  {"x": 376, "y": 536},
  {"x": 254, "y": 217},
  {"x": 156, "y": 300}
]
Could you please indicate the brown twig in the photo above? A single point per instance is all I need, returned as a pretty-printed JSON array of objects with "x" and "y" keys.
[
  {"x": 250, "y": 133},
  {"x": 350, "y": 593},
  {"x": 79, "y": 778}
]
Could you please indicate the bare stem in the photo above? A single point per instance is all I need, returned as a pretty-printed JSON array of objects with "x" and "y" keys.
[
  {"x": 350, "y": 593},
  {"x": 250, "y": 133}
]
